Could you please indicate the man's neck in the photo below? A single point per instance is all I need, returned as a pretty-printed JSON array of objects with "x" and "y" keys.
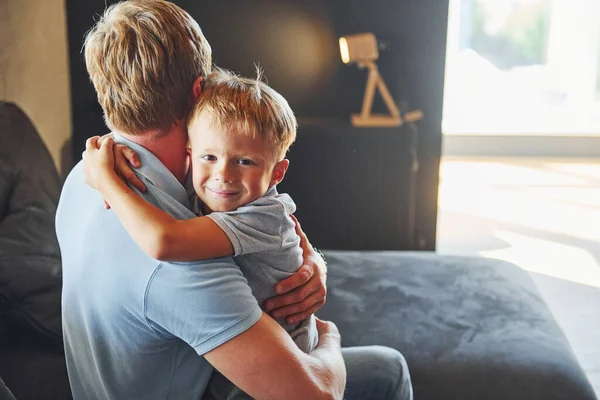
[{"x": 169, "y": 148}]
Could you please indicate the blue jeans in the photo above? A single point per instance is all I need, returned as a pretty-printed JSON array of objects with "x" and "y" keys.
[
  {"x": 376, "y": 373},
  {"x": 372, "y": 373}
]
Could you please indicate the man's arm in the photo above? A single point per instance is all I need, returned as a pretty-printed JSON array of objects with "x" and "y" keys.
[
  {"x": 303, "y": 293},
  {"x": 210, "y": 306},
  {"x": 269, "y": 365}
]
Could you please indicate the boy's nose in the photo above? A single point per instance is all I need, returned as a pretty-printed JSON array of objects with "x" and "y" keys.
[{"x": 224, "y": 174}]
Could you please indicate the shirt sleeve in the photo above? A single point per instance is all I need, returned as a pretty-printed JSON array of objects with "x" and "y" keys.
[
  {"x": 263, "y": 225},
  {"x": 205, "y": 303}
]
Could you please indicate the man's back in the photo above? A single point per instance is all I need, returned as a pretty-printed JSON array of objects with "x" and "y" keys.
[{"x": 134, "y": 327}]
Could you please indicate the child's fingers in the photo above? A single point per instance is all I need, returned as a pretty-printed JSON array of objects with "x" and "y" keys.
[
  {"x": 107, "y": 143},
  {"x": 106, "y": 149},
  {"x": 131, "y": 156},
  {"x": 123, "y": 169},
  {"x": 130, "y": 177},
  {"x": 92, "y": 143},
  {"x": 104, "y": 137}
]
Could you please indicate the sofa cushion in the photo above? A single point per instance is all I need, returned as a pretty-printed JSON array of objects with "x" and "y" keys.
[
  {"x": 5, "y": 393},
  {"x": 30, "y": 267},
  {"x": 34, "y": 367},
  {"x": 7, "y": 182},
  {"x": 469, "y": 327}
]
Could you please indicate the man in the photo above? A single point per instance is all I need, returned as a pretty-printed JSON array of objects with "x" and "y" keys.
[{"x": 135, "y": 327}]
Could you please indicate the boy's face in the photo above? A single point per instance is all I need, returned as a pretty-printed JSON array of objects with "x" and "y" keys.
[{"x": 230, "y": 169}]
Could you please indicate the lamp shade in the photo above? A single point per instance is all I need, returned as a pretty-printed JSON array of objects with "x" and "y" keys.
[{"x": 359, "y": 47}]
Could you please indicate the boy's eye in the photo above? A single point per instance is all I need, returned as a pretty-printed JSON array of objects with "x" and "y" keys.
[
  {"x": 209, "y": 157},
  {"x": 244, "y": 161}
]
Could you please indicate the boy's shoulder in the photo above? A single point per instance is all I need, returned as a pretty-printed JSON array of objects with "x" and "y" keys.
[
  {"x": 271, "y": 202},
  {"x": 274, "y": 199}
]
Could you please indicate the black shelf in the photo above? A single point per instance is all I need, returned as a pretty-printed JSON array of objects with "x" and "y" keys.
[{"x": 354, "y": 187}]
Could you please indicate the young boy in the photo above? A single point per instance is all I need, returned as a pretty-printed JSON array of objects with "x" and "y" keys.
[{"x": 239, "y": 133}]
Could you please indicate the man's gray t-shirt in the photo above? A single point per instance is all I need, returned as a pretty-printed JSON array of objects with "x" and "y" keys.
[
  {"x": 135, "y": 327},
  {"x": 267, "y": 250}
]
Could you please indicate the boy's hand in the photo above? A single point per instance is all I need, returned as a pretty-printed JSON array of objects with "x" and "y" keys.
[
  {"x": 98, "y": 161},
  {"x": 103, "y": 157},
  {"x": 303, "y": 293},
  {"x": 125, "y": 158}
]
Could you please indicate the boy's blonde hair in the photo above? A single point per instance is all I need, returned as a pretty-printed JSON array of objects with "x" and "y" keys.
[
  {"x": 247, "y": 106},
  {"x": 143, "y": 57}
]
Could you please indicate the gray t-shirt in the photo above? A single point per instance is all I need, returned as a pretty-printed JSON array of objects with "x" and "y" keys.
[{"x": 267, "y": 250}]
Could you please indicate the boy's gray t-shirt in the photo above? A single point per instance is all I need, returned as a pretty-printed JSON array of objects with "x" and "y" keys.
[{"x": 267, "y": 250}]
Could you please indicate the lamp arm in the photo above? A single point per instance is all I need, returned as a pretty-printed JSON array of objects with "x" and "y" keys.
[
  {"x": 387, "y": 97},
  {"x": 372, "y": 82},
  {"x": 376, "y": 81}
]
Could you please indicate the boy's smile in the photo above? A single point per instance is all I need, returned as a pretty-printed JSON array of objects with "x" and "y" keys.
[{"x": 230, "y": 169}]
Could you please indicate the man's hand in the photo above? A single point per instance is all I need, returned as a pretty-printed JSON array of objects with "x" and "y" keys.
[{"x": 303, "y": 293}]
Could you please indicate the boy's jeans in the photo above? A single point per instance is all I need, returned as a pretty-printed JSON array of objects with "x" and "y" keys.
[{"x": 376, "y": 373}]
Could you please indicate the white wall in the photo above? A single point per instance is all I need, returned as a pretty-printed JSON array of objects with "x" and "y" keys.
[{"x": 34, "y": 70}]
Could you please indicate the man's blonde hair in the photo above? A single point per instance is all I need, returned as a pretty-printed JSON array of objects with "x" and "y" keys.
[
  {"x": 247, "y": 106},
  {"x": 143, "y": 57}
]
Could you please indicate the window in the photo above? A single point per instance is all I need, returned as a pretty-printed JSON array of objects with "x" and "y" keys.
[{"x": 523, "y": 67}]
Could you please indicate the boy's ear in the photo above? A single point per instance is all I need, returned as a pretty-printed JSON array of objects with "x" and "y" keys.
[
  {"x": 197, "y": 87},
  {"x": 279, "y": 171}
]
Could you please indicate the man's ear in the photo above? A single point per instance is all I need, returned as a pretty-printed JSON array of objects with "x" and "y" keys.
[
  {"x": 279, "y": 171},
  {"x": 197, "y": 87}
]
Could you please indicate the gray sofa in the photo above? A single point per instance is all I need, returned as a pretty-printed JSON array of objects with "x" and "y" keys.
[
  {"x": 470, "y": 328},
  {"x": 32, "y": 364}
]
